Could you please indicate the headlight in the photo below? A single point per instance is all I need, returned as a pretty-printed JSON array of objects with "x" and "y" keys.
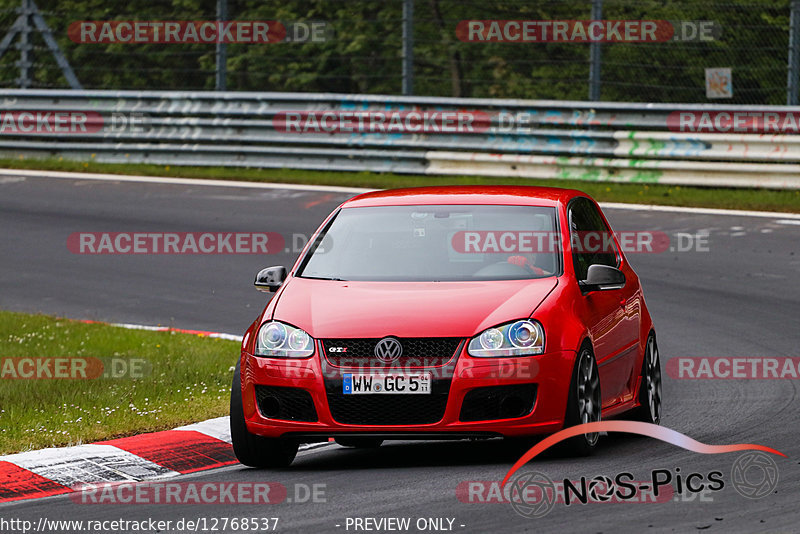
[
  {"x": 283, "y": 341},
  {"x": 520, "y": 338}
]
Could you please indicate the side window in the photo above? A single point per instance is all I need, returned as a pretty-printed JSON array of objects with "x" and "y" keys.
[{"x": 592, "y": 242}]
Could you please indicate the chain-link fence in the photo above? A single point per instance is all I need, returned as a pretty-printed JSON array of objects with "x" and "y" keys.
[{"x": 361, "y": 48}]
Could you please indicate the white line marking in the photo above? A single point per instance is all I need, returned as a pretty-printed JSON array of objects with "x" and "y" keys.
[
  {"x": 88, "y": 464},
  {"x": 219, "y": 335},
  {"x": 218, "y": 428},
  {"x": 355, "y": 190},
  {"x": 178, "y": 181},
  {"x": 788, "y": 221},
  {"x": 699, "y": 211}
]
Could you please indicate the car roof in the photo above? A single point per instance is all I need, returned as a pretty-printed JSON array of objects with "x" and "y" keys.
[{"x": 460, "y": 194}]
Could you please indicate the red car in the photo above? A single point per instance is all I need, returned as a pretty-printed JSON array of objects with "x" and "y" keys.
[{"x": 446, "y": 313}]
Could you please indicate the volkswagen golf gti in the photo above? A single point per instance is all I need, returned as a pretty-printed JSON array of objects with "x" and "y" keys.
[{"x": 446, "y": 313}]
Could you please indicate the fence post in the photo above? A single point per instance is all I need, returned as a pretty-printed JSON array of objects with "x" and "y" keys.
[
  {"x": 794, "y": 54},
  {"x": 595, "y": 55},
  {"x": 25, "y": 47},
  {"x": 222, "y": 49},
  {"x": 408, "y": 47}
]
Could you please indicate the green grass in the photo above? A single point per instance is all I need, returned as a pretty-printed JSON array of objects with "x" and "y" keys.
[
  {"x": 731, "y": 198},
  {"x": 189, "y": 381}
]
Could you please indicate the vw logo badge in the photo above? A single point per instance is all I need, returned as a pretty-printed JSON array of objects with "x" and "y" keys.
[{"x": 388, "y": 350}]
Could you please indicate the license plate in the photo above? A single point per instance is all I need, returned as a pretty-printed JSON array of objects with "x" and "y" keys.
[{"x": 394, "y": 384}]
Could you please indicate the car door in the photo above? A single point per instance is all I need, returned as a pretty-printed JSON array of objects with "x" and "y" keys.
[{"x": 606, "y": 312}]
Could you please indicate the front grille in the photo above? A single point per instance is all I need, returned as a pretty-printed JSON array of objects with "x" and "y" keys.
[
  {"x": 417, "y": 352},
  {"x": 498, "y": 402},
  {"x": 388, "y": 409},
  {"x": 289, "y": 404}
]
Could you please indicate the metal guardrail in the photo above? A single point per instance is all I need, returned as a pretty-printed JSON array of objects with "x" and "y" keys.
[{"x": 608, "y": 141}]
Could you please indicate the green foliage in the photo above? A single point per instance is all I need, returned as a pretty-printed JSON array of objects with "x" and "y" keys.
[{"x": 187, "y": 379}]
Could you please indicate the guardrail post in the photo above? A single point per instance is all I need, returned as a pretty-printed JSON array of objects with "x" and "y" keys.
[
  {"x": 595, "y": 55},
  {"x": 222, "y": 49},
  {"x": 794, "y": 55},
  {"x": 408, "y": 47}
]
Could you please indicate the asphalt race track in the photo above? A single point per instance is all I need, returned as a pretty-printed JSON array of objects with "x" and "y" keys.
[{"x": 739, "y": 298}]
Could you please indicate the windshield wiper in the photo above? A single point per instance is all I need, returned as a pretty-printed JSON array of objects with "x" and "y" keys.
[{"x": 324, "y": 278}]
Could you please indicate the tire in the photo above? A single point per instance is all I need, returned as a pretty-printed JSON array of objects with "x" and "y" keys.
[
  {"x": 359, "y": 443},
  {"x": 584, "y": 403},
  {"x": 250, "y": 449},
  {"x": 649, "y": 409}
]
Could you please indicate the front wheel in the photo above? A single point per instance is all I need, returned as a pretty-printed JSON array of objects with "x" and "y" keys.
[
  {"x": 649, "y": 410},
  {"x": 250, "y": 449},
  {"x": 583, "y": 405}
]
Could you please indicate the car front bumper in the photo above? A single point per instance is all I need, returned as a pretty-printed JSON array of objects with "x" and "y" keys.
[{"x": 549, "y": 373}]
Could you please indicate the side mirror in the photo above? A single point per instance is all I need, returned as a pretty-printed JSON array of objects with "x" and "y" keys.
[
  {"x": 270, "y": 279},
  {"x": 602, "y": 277}
]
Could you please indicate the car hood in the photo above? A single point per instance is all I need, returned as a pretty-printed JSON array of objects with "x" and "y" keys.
[{"x": 335, "y": 309}]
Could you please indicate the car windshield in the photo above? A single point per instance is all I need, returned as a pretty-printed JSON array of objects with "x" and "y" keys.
[{"x": 436, "y": 243}]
